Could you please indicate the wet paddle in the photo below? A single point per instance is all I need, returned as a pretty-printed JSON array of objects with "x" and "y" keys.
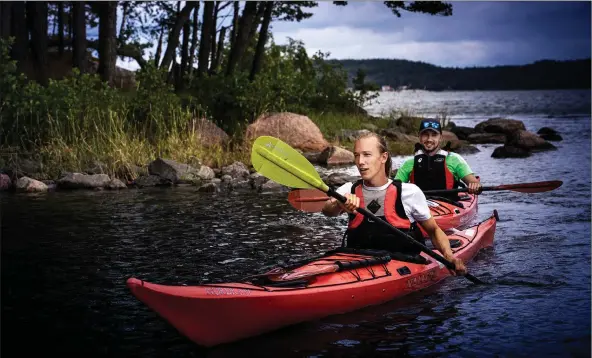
[
  {"x": 281, "y": 163},
  {"x": 535, "y": 187}
]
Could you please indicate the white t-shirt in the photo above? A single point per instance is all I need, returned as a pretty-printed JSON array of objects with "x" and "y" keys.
[{"x": 413, "y": 199}]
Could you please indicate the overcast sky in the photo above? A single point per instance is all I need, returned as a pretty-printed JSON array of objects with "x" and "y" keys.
[{"x": 477, "y": 34}]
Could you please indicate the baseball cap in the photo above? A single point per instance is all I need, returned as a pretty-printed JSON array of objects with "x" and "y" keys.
[{"x": 432, "y": 124}]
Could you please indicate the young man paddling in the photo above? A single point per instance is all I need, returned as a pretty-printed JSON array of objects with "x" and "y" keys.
[
  {"x": 401, "y": 204},
  {"x": 433, "y": 168}
]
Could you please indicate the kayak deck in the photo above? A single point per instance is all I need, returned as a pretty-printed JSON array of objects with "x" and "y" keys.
[
  {"x": 453, "y": 213},
  {"x": 213, "y": 314}
]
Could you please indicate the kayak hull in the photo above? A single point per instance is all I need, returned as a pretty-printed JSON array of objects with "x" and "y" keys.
[{"x": 214, "y": 314}]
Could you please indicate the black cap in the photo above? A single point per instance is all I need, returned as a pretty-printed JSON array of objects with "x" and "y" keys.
[{"x": 432, "y": 124}]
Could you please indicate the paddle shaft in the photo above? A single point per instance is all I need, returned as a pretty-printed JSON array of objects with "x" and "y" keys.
[
  {"x": 424, "y": 248},
  {"x": 537, "y": 187}
]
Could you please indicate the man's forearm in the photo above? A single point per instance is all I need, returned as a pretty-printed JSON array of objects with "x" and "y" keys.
[{"x": 440, "y": 240}]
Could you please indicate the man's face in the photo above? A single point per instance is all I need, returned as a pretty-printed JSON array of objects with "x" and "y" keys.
[
  {"x": 369, "y": 160},
  {"x": 430, "y": 139}
]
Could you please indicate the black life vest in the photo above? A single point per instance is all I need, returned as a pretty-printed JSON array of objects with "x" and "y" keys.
[
  {"x": 430, "y": 172},
  {"x": 363, "y": 233}
]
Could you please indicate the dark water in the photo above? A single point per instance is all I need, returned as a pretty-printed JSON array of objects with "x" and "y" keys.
[{"x": 66, "y": 256}]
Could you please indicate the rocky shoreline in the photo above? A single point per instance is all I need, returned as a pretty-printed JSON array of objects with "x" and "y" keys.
[{"x": 298, "y": 131}]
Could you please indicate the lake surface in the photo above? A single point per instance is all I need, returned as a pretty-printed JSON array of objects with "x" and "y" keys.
[{"x": 66, "y": 256}]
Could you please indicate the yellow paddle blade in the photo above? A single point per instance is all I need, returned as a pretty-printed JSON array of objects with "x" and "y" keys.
[{"x": 281, "y": 163}]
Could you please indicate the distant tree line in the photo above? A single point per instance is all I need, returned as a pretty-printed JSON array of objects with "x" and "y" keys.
[{"x": 544, "y": 74}]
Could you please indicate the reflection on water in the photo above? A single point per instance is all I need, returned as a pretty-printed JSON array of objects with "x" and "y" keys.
[{"x": 66, "y": 256}]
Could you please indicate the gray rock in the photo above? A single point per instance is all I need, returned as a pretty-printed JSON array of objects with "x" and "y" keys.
[
  {"x": 83, "y": 181},
  {"x": 116, "y": 184},
  {"x": 5, "y": 182},
  {"x": 151, "y": 180},
  {"x": 236, "y": 170},
  {"x": 508, "y": 151},
  {"x": 257, "y": 180},
  {"x": 28, "y": 185},
  {"x": 208, "y": 188},
  {"x": 273, "y": 186},
  {"x": 174, "y": 171}
]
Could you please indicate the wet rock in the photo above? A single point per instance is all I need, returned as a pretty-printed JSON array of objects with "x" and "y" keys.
[
  {"x": 5, "y": 182},
  {"x": 483, "y": 138},
  {"x": 116, "y": 184},
  {"x": 462, "y": 132},
  {"x": 226, "y": 178},
  {"x": 236, "y": 170},
  {"x": 296, "y": 130},
  {"x": 508, "y": 151},
  {"x": 28, "y": 185},
  {"x": 549, "y": 134},
  {"x": 334, "y": 155},
  {"x": 83, "y": 181},
  {"x": 174, "y": 171},
  {"x": 312, "y": 157},
  {"x": 500, "y": 125},
  {"x": 529, "y": 141},
  {"x": 272, "y": 186},
  {"x": 257, "y": 180},
  {"x": 208, "y": 188},
  {"x": 338, "y": 179},
  {"x": 205, "y": 173},
  {"x": 397, "y": 136},
  {"x": 151, "y": 180}
]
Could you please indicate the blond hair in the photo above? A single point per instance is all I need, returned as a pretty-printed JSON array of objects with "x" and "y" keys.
[{"x": 382, "y": 147}]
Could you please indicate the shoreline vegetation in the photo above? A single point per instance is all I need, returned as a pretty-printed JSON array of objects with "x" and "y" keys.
[{"x": 71, "y": 120}]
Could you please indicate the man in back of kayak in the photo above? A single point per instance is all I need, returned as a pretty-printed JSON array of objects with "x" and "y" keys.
[
  {"x": 401, "y": 204},
  {"x": 433, "y": 168}
]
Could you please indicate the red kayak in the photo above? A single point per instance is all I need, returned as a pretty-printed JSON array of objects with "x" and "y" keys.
[
  {"x": 453, "y": 213},
  {"x": 340, "y": 281}
]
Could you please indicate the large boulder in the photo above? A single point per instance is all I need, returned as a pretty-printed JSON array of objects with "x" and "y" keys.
[
  {"x": 549, "y": 134},
  {"x": 334, "y": 155},
  {"x": 508, "y": 151},
  {"x": 500, "y": 125},
  {"x": 529, "y": 141},
  {"x": 462, "y": 132},
  {"x": 295, "y": 129},
  {"x": 482, "y": 138},
  {"x": 207, "y": 132}
]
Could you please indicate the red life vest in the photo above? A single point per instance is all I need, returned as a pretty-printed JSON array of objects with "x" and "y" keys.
[{"x": 363, "y": 233}]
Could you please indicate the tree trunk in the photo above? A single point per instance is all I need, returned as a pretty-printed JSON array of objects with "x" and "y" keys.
[
  {"x": 173, "y": 40},
  {"x": 257, "y": 20},
  {"x": 204, "y": 42},
  {"x": 123, "y": 20},
  {"x": 184, "y": 56},
  {"x": 61, "y": 27},
  {"x": 38, "y": 27},
  {"x": 5, "y": 17},
  {"x": 245, "y": 23},
  {"x": 79, "y": 35},
  {"x": 235, "y": 19},
  {"x": 219, "y": 49},
  {"x": 193, "y": 38},
  {"x": 214, "y": 32},
  {"x": 260, "y": 51},
  {"x": 107, "y": 40},
  {"x": 159, "y": 46},
  {"x": 20, "y": 32}
]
